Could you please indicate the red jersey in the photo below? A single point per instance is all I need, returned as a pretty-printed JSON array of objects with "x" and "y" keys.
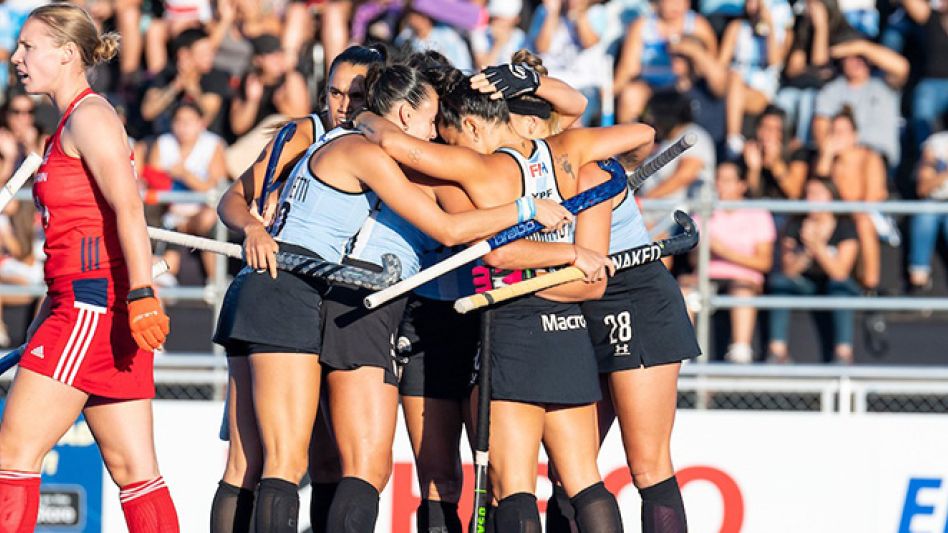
[
  {"x": 80, "y": 227},
  {"x": 85, "y": 342}
]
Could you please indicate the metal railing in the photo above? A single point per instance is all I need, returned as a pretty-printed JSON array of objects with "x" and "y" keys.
[
  {"x": 831, "y": 390},
  {"x": 709, "y": 302},
  {"x": 704, "y": 205},
  {"x": 211, "y": 293}
]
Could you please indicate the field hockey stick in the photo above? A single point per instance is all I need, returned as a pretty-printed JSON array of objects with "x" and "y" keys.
[
  {"x": 12, "y": 358},
  {"x": 27, "y": 168},
  {"x": 482, "y": 496},
  {"x": 285, "y": 134},
  {"x": 576, "y": 204},
  {"x": 335, "y": 273},
  {"x": 624, "y": 260},
  {"x": 653, "y": 165}
]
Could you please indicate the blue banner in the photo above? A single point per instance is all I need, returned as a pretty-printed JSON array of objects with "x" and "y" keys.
[{"x": 71, "y": 490}]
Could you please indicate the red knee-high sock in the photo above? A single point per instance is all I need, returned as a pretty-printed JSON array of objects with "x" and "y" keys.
[
  {"x": 19, "y": 501},
  {"x": 148, "y": 507}
]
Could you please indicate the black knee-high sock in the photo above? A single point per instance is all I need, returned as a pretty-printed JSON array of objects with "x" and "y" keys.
[
  {"x": 518, "y": 513},
  {"x": 662, "y": 508},
  {"x": 278, "y": 506},
  {"x": 560, "y": 515},
  {"x": 355, "y": 507},
  {"x": 437, "y": 517},
  {"x": 232, "y": 509},
  {"x": 320, "y": 500},
  {"x": 597, "y": 510}
]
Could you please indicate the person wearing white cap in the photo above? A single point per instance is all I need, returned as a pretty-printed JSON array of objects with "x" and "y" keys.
[{"x": 494, "y": 43}]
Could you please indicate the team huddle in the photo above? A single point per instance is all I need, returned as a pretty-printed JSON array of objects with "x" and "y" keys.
[{"x": 412, "y": 159}]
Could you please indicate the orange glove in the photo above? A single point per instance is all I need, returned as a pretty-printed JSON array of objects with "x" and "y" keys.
[{"x": 147, "y": 320}]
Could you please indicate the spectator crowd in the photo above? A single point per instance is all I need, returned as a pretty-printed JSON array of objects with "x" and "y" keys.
[{"x": 790, "y": 99}]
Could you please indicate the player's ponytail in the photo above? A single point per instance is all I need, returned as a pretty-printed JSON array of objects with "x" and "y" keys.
[
  {"x": 107, "y": 48},
  {"x": 526, "y": 56}
]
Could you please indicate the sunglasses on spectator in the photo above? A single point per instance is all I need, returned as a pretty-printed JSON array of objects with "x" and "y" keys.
[{"x": 20, "y": 111}]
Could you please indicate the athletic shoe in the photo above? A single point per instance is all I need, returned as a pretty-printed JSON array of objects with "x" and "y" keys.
[{"x": 739, "y": 353}]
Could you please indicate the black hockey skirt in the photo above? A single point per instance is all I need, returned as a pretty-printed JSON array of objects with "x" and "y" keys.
[
  {"x": 440, "y": 363},
  {"x": 541, "y": 353},
  {"x": 265, "y": 315},
  {"x": 641, "y": 321},
  {"x": 354, "y": 336}
]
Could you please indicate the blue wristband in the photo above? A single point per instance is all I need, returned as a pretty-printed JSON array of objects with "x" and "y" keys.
[{"x": 522, "y": 209}]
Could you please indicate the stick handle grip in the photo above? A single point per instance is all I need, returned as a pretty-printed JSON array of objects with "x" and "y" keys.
[
  {"x": 11, "y": 359},
  {"x": 483, "y": 299},
  {"x": 285, "y": 133},
  {"x": 639, "y": 175},
  {"x": 27, "y": 168}
]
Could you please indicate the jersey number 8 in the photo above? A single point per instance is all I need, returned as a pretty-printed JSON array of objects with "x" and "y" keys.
[{"x": 621, "y": 325}]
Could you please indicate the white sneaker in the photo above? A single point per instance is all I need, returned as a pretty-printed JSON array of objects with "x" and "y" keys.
[{"x": 739, "y": 353}]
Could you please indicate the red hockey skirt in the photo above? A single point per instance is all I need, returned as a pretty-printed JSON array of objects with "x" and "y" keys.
[{"x": 86, "y": 343}]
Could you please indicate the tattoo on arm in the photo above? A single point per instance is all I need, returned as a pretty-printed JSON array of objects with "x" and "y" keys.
[
  {"x": 567, "y": 167},
  {"x": 414, "y": 155}
]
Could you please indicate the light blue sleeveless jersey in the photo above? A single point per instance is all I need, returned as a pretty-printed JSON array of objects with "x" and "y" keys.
[
  {"x": 451, "y": 286},
  {"x": 628, "y": 228},
  {"x": 315, "y": 215},
  {"x": 385, "y": 232}
]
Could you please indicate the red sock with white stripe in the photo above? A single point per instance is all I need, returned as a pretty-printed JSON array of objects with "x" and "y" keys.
[
  {"x": 148, "y": 507},
  {"x": 19, "y": 501}
]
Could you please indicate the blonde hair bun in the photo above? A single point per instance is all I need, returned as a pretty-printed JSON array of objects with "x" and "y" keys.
[{"x": 107, "y": 48}]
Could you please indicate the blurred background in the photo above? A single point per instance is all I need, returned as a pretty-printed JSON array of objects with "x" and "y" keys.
[{"x": 819, "y": 290}]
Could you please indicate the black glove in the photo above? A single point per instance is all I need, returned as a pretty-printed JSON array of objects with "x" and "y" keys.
[{"x": 513, "y": 80}]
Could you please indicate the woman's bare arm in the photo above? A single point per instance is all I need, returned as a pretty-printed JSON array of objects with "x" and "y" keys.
[
  {"x": 760, "y": 260},
  {"x": 442, "y": 161},
  {"x": 99, "y": 138},
  {"x": 837, "y": 266},
  {"x": 567, "y": 101},
  {"x": 630, "y": 62},
  {"x": 381, "y": 174},
  {"x": 592, "y": 234},
  {"x": 578, "y": 146}
]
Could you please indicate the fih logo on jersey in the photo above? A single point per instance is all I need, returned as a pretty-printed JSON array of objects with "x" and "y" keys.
[{"x": 538, "y": 169}]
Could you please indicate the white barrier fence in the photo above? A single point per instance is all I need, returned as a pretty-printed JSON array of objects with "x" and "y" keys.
[{"x": 740, "y": 472}]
